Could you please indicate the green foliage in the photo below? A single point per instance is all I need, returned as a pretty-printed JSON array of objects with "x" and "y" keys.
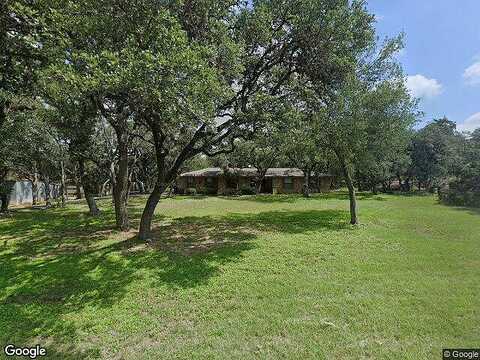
[
  {"x": 6, "y": 187},
  {"x": 247, "y": 190},
  {"x": 464, "y": 190},
  {"x": 436, "y": 152}
]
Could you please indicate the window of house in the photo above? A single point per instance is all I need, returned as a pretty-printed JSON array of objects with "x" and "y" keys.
[{"x": 288, "y": 184}]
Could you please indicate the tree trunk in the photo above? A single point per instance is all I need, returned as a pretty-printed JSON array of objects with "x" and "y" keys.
[
  {"x": 63, "y": 186},
  {"x": 258, "y": 187},
  {"x": 261, "y": 173},
  {"x": 103, "y": 191},
  {"x": 351, "y": 192},
  {"x": 148, "y": 212},
  {"x": 5, "y": 192},
  {"x": 46, "y": 183},
  {"x": 120, "y": 190},
  {"x": 77, "y": 180},
  {"x": 141, "y": 187},
  {"x": 408, "y": 187},
  {"x": 306, "y": 183},
  {"x": 92, "y": 205},
  {"x": 35, "y": 186},
  {"x": 5, "y": 199}
]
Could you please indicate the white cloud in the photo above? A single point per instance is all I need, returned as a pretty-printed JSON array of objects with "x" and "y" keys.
[
  {"x": 423, "y": 87},
  {"x": 472, "y": 74},
  {"x": 472, "y": 123}
]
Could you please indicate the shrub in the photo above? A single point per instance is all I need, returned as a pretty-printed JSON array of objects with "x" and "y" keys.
[
  {"x": 191, "y": 191},
  {"x": 460, "y": 193},
  {"x": 247, "y": 190},
  {"x": 231, "y": 192}
]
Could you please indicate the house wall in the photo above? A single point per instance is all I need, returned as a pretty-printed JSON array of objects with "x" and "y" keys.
[
  {"x": 222, "y": 185},
  {"x": 279, "y": 188},
  {"x": 244, "y": 181},
  {"x": 277, "y": 184},
  {"x": 22, "y": 192},
  {"x": 297, "y": 185},
  {"x": 182, "y": 183},
  {"x": 326, "y": 183},
  {"x": 200, "y": 183}
]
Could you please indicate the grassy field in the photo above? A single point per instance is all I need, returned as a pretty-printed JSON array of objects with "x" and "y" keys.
[{"x": 250, "y": 277}]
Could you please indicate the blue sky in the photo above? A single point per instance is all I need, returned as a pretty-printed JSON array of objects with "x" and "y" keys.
[{"x": 442, "y": 53}]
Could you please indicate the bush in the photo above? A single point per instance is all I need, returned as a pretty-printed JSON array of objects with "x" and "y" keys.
[
  {"x": 460, "y": 193},
  {"x": 191, "y": 191},
  {"x": 247, "y": 190},
  {"x": 231, "y": 192}
]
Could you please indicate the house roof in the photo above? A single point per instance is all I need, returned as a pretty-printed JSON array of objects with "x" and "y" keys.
[{"x": 247, "y": 172}]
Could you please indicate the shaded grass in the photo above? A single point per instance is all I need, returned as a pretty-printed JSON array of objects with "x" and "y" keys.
[{"x": 244, "y": 277}]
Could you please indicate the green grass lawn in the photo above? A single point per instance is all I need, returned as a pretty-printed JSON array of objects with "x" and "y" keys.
[{"x": 250, "y": 277}]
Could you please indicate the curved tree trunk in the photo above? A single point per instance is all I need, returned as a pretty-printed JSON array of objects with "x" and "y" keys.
[
  {"x": 103, "y": 190},
  {"x": 351, "y": 191},
  {"x": 353, "y": 199},
  {"x": 148, "y": 212}
]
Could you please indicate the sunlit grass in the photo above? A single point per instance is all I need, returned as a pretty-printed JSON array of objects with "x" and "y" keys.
[{"x": 247, "y": 277}]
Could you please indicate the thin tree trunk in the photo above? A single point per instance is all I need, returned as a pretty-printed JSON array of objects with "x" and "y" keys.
[
  {"x": 148, "y": 212},
  {"x": 306, "y": 183},
  {"x": 120, "y": 190},
  {"x": 351, "y": 191},
  {"x": 77, "y": 180},
  {"x": 92, "y": 204},
  {"x": 35, "y": 186},
  {"x": 46, "y": 183},
  {"x": 141, "y": 186},
  {"x": 103, "y": 191},
  {"x": 63, "y": 186}
]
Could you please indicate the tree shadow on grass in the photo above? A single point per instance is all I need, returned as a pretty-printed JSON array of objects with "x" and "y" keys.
[
  {"x": 468, "y": 209},
  {"x": 58, "y": 263},
  {"x": 292, "y": 198}
]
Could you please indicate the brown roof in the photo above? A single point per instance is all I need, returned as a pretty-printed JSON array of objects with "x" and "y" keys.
[{"x": 247, "y": 172}]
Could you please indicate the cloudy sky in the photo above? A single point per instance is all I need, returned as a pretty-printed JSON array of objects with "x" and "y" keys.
[{"x": 442, "y": 54}]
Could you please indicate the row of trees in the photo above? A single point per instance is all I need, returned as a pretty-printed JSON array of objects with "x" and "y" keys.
[{"x": 115, "y": 95}]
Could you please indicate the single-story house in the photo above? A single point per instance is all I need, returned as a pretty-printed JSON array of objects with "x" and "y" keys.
[{"x": 227, "y": 181}]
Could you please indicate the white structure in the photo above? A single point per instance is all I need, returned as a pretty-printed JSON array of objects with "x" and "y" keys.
[{"x": 22, "y": 192}]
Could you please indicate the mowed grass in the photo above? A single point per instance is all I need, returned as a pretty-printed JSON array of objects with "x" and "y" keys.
[{"x": 251, "y": 277}]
